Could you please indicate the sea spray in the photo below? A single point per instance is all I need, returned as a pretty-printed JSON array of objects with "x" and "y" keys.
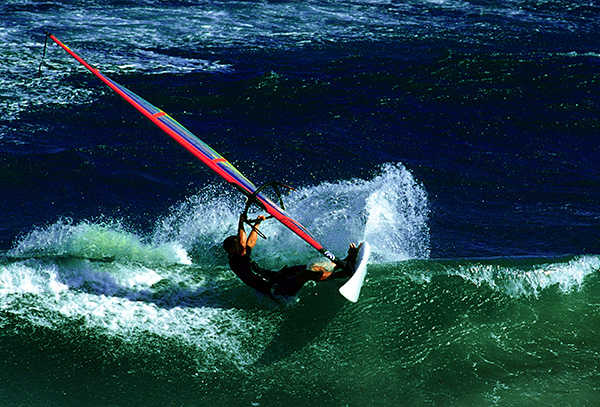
[
  {"x": 201, "y": 223},
  {"x": 398, "y": 212},
  {"x": 102, "y": 240},
  {"x": 390, "y": 211}
]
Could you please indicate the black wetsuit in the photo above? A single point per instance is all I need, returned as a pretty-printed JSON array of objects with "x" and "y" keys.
[{"x": 262, "y": 280}]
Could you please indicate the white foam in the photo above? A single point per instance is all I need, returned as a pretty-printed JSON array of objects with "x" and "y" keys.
[
  {"x": 531, "y": 281},
  {"x": 119, "y": 300},
  {"x": 23, "y": 278}
]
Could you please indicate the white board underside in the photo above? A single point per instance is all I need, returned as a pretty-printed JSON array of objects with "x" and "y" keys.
[{"x": 351, "y": 289}]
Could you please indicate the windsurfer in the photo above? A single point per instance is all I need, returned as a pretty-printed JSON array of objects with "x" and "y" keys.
[{"x": 286, "y": 282}]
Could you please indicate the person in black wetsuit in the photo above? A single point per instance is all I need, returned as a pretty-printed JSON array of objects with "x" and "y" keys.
[{"x": 286, "y": 282}]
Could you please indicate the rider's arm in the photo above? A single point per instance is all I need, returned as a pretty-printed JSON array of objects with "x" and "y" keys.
[
  {"x": 254, "y": 235},
  {"x": 244, "y": 241},
  {"x": 241, "y": 241}
]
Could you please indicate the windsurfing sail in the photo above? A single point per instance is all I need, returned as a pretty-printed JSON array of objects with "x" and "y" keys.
[{"x": 202, "y": 151}]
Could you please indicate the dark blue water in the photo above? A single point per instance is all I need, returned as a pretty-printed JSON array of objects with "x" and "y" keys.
[{"x": 459, "y": 138}]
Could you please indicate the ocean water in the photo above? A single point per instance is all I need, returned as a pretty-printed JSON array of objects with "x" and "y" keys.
[{"x": 459, "y": 138}]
